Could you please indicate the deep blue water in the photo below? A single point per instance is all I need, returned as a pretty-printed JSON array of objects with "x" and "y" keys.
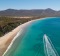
[{"x": 30, "y": 43}]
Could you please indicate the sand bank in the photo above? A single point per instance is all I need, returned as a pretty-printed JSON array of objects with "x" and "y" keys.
[{"x": 8, "y": 38}]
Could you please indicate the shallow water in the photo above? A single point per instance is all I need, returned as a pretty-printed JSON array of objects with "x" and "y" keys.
[{"x": 30, "y": 42}]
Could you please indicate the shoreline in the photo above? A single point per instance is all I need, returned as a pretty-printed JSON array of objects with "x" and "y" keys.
[{"x": 7, "y": 40}]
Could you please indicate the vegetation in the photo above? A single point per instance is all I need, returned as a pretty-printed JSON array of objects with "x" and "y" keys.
[{"x": 9, "y": 23}]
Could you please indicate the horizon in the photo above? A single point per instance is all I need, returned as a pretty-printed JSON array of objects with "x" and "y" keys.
[
  {"x": 28, "y": 9},
  {"x": 29, "y": 4}
]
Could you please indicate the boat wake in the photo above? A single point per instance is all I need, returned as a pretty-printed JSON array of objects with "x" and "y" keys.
[{"x": 48, "y": 47}]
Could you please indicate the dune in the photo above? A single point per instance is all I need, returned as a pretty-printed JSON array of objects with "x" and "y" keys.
[{"x": 7, "y": 38}]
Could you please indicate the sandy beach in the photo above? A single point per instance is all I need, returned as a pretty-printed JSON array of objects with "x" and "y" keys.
[{"x": 8, "y": 38}]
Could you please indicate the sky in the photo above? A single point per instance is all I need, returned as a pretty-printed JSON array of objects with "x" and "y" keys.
[{"x": 29, "y": 4}]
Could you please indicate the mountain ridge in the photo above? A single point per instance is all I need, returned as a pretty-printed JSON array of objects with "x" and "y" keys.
[{"x": 33, "y": 12}]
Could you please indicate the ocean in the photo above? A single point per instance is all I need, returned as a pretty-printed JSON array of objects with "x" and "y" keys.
[{"x": 30, "y": 42}]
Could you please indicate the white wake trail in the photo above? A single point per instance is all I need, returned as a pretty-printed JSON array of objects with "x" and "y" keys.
[{"x": 48, "y": 47}]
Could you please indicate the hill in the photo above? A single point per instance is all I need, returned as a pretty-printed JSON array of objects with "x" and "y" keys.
[{"x": 34, "y": 12}]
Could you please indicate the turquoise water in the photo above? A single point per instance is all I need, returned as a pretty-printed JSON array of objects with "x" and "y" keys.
[{"x": 30, "y": 42}]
